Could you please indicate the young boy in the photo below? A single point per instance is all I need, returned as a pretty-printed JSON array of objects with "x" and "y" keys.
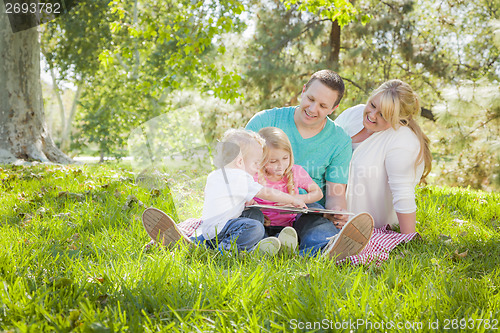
[{"x": 225, "y": 222}]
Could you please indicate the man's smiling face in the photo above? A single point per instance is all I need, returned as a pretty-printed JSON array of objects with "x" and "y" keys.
[{"x": 317, "y": 103}]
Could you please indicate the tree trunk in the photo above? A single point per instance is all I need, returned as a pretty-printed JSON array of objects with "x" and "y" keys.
[
  {"x": 68, "y": 126},
  {"x": 333, "y": 57},
  {"x": 23, "y": 131},
  {"x": 57, "y": 94}
]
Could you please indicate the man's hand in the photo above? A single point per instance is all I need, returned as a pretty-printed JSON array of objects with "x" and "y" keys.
[
  {"x": 339, "y": 220},
  {"x": 335, "y": 200}
]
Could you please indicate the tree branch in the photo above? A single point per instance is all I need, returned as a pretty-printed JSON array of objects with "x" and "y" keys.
[
  {"x": 482, "y": 124},
  {"x": 287, "y": 40},
  {"x": 354, "y": 84},
  {"x": 426, "y": 113}
]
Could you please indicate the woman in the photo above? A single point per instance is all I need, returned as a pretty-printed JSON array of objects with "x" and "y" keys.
[{"x": 390, "y": 155}]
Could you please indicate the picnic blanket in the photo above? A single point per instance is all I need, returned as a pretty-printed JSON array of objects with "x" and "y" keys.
[
  {"x": 383, "y": 241},
  {"x": 189, "y": 226}
]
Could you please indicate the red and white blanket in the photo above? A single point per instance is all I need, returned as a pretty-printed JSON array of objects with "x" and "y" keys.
[{"x": 377, "y": 250}]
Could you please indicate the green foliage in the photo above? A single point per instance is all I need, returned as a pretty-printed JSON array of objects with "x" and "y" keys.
[
  {"x": 439, "y": 49},
  {"x": 216, "y": 114},
  {"x": 71, "y": 259},
  {"x": 135, "y": 57},
  {"x": 72, "y": 43},
  {"x": 471, "y": 113},
  {"x": 281, "y": 54},
  {"x": 140, "y": 52},
  {"x": 165, "y": 45},
  {"x": 341, "y": 10}
]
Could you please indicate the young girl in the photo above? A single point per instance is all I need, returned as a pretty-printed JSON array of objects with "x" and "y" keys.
[{"x": 279, "y": 172}]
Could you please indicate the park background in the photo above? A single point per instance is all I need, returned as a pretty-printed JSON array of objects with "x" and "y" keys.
[{"x": 91, "y": 77}]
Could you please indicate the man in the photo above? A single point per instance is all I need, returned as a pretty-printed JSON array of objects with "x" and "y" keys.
[{"x": 320, "y": 146}]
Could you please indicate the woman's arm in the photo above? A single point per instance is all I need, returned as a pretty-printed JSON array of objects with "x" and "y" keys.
[
  {"x": 314, "y": 193},
  {"x": 407, "y": 222},
  {"x": 403, "y": 177}
]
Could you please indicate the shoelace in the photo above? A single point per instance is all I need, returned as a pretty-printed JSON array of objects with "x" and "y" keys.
[
  {"x": 331, "y": 240},
  {"x": 331, "y": 237}
]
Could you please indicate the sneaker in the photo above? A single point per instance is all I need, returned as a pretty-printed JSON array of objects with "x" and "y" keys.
[
  {"x": 161, "y": 228},
  {"x": 288, "y": 239},
  {"x": 352, "y": 238},
  {"x": 149, "y": 246},
  {"x": 269, "y": 245}
]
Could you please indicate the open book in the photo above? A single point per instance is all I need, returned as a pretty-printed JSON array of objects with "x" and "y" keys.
[{"x": 296, "y": 210}]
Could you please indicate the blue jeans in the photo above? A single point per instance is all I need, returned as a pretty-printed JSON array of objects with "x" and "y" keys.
[
  {"x": 244, "y": 232},
  {"x": 313, "y": 231}
]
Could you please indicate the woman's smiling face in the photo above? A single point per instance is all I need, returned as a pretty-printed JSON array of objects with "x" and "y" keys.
[{"x": 373, "y": 120}]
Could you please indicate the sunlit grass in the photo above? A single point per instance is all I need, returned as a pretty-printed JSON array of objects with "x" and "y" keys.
[{"x": 71, "y": 258}]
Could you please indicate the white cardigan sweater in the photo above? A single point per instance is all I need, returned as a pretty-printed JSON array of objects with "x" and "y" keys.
[{"x": 382, "y": 173}]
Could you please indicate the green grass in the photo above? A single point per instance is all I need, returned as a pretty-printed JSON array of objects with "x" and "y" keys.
[{"x": 71, "y": 259}]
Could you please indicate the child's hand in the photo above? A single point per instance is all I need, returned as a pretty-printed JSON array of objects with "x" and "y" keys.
[
  {"x": 249, "y": 203},
  {"x": 284, "y": 204},
  {"x": 298, "y": 202},
  {"x": 267, "y": 221}
]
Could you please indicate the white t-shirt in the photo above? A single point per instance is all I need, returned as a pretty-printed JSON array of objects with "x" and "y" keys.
[
  {"x": 382, "y": 173},
  {"x": 226, "y": 201}
]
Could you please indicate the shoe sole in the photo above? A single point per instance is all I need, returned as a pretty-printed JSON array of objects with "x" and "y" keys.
[
  {"x": 288, "y": 238},
  {"x": 353, "y": 237},
  {"x": 269, "y": 245},
  {"x": 161, "y": 228}
]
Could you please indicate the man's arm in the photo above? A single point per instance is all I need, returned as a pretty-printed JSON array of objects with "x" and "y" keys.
[
  {"x": 335, "y": 196},
  {"x": 335, "y": 200}
]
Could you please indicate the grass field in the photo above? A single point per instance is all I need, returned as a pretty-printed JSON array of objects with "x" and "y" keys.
[{"x": 72, "y": 259}]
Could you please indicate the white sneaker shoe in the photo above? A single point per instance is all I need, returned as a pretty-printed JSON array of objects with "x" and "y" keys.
[
  {"x": 288, "y": 238},
  {"x": 161, "y": 228},
  {"x": 269, "y": 245},
  {"x": 352, "y": 238}
]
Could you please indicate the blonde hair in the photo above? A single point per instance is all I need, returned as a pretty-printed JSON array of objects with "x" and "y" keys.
[
  {"x": 399, "y": 106},
  {"x": 238, "y": 140},
  {"x": 277, "y": 139}
]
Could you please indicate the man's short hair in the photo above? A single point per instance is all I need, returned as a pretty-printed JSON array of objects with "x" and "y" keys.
[{"x": 330, "y": 79}]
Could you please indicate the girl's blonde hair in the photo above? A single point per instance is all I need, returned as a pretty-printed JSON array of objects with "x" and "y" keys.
[
  {"x": 277, "y": 139},
  {"x": 400, "y": 105}
]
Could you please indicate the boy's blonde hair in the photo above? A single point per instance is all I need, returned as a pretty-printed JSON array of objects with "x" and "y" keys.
[
  {"x": 238, "y": 140},
  {"x": 277, "y": 139}
]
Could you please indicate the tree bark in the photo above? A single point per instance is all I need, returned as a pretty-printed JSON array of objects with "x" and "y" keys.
[
  {"x": 68, "y": 126},
  {"x": 333, "y": 57},
  {"x": 23, "y": 131},
  {"x": 57, "y": 94}
]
